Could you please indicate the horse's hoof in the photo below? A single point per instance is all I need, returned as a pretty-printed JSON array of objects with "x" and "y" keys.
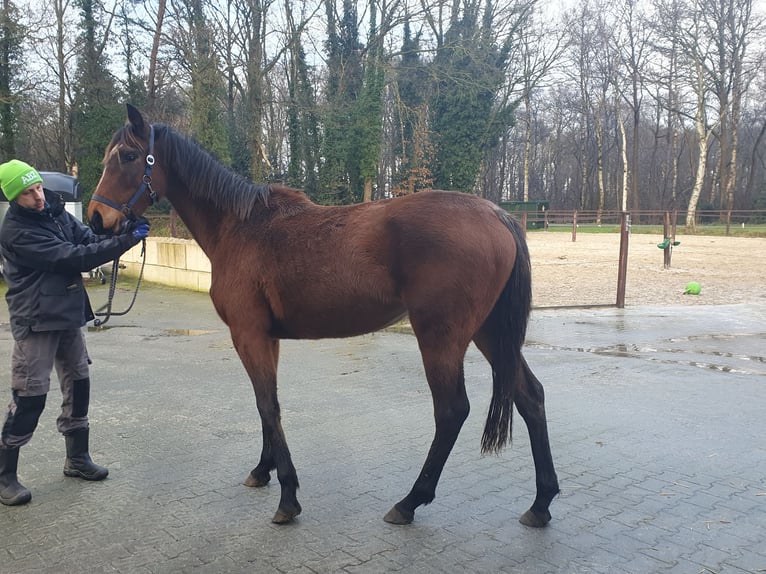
[
  {"x": 535, "y": 519},
  {"x": 285, "y": 517},
  {"x": 398, "y": 516},
  {"x": 252, "y": 481}
]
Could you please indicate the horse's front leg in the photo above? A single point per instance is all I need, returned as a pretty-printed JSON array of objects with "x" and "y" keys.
[
  {"x": 275, "y": 451},
  {"x": 260, "y": 355},
  {"x": 261, "y": 474}
]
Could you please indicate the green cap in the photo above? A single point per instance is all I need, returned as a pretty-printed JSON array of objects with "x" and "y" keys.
[{"x": 16, "y": 176}]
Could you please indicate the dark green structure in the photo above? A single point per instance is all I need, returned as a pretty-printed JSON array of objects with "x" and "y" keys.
[{"x": 535, "y": 211}]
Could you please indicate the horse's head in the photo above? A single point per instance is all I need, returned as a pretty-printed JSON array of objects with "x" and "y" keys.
[{"x": 125, "y": 189}]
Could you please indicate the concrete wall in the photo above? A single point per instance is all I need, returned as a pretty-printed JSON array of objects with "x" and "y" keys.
[{"x": 169, "y": 261}]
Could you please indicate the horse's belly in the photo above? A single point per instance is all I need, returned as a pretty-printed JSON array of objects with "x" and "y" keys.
[{"x": 336, "y": 324}]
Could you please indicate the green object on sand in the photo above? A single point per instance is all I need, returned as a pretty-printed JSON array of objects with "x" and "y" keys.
[
  {"x": 667, "y": 243},
  {"x": 692, "y": 288}
]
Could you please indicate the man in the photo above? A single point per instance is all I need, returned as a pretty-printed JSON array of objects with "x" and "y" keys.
[{"x": 45, "y": 252}]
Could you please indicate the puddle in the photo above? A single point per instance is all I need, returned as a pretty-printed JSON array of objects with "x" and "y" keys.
[
  {"x": 716, "y": 337},
  {"x": 94, "y": 329},
  {"x": 189, "y": 332},
  {"x": 116, "y": 325},
  {"x": 663, "y": 356}
]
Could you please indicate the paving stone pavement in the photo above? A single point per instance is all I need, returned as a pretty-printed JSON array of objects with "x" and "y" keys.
[{"x": 656, "y": 418}]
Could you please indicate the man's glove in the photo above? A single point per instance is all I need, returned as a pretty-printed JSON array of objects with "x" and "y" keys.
[
  {"x": 141, "y": 230},
  {"x": 138, "y": 228}
]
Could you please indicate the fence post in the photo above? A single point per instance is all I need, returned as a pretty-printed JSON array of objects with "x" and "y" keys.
[
  {"x": 574, "y": 226},
  {"x": 172, "y": 223},
  {"x": 665, "y": 236},
  {"x": 622, "y": 268},
  {"x": 524, "y": 222}
]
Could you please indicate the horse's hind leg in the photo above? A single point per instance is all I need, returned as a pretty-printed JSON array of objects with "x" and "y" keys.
[
  {"x": 530, "y": 402},
  {"x": 444, "y": 371}
]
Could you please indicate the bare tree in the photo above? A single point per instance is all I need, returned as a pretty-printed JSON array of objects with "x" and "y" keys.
[
  {"x": 695, "y": 52},
  {"x": 581, "y": 54},
  {"x": 54, "y": 45},
  {"x": 730, "y": 24},
  {"x": 541, "y": 46},
  {"x": 151, "y": 81},
  {"x": 632, "y": 43},
  {"x": 757, "y": 127}
]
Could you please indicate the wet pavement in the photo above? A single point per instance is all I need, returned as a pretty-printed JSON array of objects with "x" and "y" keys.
[{"x": 657, "y": 424}]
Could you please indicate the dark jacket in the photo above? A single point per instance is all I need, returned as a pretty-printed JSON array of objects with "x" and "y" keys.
[{"x": 45, "y": 253}]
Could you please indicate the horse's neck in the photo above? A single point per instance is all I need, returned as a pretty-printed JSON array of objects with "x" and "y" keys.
[{"x": 201, "y": 219}]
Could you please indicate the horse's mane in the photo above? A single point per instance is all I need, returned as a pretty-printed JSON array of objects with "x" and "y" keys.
[{"x": 204, "y": 176}]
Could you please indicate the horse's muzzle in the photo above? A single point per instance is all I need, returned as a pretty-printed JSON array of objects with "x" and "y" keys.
[{"x": 97, "y": 223}]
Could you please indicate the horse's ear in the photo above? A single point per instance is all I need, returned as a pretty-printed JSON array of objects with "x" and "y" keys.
[{"x": 135, "y": 119}]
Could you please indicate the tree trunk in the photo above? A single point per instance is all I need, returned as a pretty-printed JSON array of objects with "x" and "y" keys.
[
  {"x": 599, "y": 168},
  {"x": 724, "y": 157},
  {"x": 703, "y": 136},
  {"x": 63, "y": 145},
  {"x": 527, "y": 146},
  {"x": 367, "y": 192},
  {"x": 634, "y": 165},
  {"x": 624, "y": 152},
  {"x": 583, "y": 159},
  {"x": 255, "y": 94},
  {"x": 754, "y": 159},
  {"x": 736, "y": 99},
  {"x": 151, "y": 80}
]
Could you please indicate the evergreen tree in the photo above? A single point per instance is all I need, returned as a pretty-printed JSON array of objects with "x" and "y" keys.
[
  {"x": 11, "y": 34},
  {"x": 470, "y": 71},
  {"x": 135, "y": 83},
  {"x": 238, "y": 137},
  {"x": 344, "y": 83},
  {"x": 97, "y": 107},
  {"x": 367, "y": 134},
  {"x": 257, "y": 90},
  {"x": 207, "y": 116},
  {"x": 412, "y": 140},
  {"x": 303, "y": 123}
]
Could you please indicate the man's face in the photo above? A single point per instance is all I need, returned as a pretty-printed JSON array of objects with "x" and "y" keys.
[{"x": 32, "y": 197}]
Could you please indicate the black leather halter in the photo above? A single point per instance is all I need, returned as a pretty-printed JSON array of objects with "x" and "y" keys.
[{"x": 146, "y": 184}]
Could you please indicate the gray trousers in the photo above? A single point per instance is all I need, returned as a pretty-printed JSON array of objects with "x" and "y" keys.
[{"x": 33, "y": 360}]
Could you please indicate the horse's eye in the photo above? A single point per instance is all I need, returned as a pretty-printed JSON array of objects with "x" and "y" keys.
[{"x": 128, "y": 156}]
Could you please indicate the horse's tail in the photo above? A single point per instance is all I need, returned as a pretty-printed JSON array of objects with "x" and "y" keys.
[{"x": 507, "y": 324}]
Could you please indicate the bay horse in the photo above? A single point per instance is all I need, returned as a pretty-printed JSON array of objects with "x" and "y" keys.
[{"x": 284, "y": 267}]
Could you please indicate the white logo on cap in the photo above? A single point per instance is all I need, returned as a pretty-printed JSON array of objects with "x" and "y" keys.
[{"x": 28, "y": 177}]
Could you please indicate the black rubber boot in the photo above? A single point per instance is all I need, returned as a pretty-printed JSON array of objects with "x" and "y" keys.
[
  {"x": 11, "y": 492},
  {"x": 78, "y": 462}
]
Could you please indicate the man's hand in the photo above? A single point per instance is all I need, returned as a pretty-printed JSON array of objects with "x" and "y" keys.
[
  {"x": 141, "y": 230},
  {"x": 138, "y": 228}
]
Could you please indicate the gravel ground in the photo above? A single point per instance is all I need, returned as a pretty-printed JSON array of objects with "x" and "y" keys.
[{"x": 584, "y": 272}]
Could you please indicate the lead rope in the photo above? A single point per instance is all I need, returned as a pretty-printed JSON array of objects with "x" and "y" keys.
[{"x": 112, "y": 287}]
